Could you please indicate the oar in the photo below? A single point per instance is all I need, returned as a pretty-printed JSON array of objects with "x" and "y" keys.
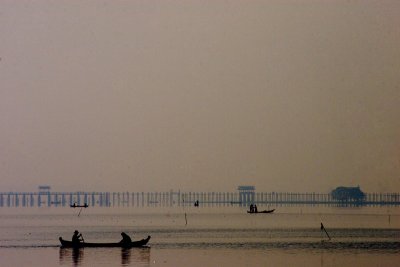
[
  {"x": 323, "y": 228},
  {"x": 183, "y": 200},
  {"x": 79, "y": 212}
]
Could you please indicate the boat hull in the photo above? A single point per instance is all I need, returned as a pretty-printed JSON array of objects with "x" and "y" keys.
[
  {"x": 79, "y": 206},
  {"x": 262, "y": 211},
  {"x": 69, "y": 244}
]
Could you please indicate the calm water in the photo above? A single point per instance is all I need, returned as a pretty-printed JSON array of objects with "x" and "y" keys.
[{"x": 206, "y": 237}]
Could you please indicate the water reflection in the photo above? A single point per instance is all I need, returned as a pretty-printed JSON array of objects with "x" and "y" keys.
[
  {"x": 87, "y": 256},
  {"x": 71, "y": 255},
  {"x": 77, "y": 256},
  {"x": 125, "y": 256},
  {"x": 139, "y": 256}
]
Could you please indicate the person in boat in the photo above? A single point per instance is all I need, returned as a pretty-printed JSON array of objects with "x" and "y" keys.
[
  {"x": 77, "y": 237},
  {"x": 255, "y": 208},
  {"x": 126, "y": 239},
  {"x": 251, "y": 208}
]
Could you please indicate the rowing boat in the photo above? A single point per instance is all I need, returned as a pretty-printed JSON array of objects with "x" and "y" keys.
[
  {"x": 262, "y": 211},
  {"x": 70, "y": 244},
  {"x": 79, "y": 206}
]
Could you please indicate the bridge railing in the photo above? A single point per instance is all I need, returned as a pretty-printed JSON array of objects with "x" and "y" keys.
[{"x": 178, "y": 198}]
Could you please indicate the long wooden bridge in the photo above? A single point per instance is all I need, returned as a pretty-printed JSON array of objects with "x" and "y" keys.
[{"x": 178, "y": 198}]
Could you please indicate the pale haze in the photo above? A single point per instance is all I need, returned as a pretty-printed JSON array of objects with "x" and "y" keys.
[{"x": 296, "y": 96}]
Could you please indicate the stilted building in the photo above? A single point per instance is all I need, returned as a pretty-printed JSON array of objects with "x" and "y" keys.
[{"x": 246, "y": 194}]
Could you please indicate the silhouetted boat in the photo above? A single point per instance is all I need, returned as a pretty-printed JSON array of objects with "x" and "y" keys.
[
  {"x": 69, "y": 244},
  {"x": 262, "y": 211},
  {"x": 79, "y": 206}
]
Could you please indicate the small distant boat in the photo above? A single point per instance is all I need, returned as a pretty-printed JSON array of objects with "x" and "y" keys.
[
  {"x": 262, "y": 211},
  {"x": 79, "y": 206},
  {"x": 69, "y": 244}
]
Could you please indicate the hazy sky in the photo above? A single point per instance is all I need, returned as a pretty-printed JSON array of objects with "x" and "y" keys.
[{"x": 200, "y": 95}]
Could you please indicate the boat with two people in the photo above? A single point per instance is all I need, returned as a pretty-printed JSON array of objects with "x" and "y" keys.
[
  {"x": 262, "y": 211},
  {"x": 79, "y": 206},
  {"x": 254, "y": 210},
  {"x": 79, "y": 242}
]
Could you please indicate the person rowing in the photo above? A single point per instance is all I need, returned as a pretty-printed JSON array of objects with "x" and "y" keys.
[
  {"x": 126, "y": 240},
  {"x": 77, "y": 237}
]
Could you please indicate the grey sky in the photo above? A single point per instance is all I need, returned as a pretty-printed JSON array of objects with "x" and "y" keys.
[{"x": 199, "y": 95}]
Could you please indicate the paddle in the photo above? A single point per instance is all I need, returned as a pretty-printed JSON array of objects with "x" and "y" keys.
[{"x": 323, "y": 228}]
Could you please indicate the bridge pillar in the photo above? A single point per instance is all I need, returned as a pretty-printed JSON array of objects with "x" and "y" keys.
[{"x": 246, "y": 195}]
